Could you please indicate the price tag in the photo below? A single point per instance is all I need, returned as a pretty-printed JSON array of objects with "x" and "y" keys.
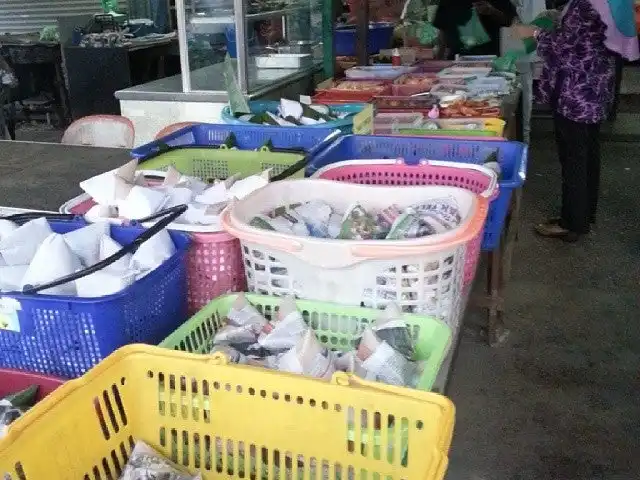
[
  {"x": 9, "y": 308},
  {"x": 237, "y": 102},
  {"x": 363, "y": 121}
]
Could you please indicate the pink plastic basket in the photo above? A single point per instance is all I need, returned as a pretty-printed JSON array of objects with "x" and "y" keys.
[
  {"x": 214, "y": 261},
  {"x": 477, "y": 179}
]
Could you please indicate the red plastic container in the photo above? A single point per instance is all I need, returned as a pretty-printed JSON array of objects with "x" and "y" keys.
[
  {"x": 12, "y": 381},
  {"x": 369, "y": 89},
  {"x": 331, "y": 98},
  {"x": 412, "y": 83}
]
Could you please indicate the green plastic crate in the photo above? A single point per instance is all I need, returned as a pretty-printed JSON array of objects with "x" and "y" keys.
[
  {"x": 334, "y": 325},
  {"x": 219, "y": 163}
]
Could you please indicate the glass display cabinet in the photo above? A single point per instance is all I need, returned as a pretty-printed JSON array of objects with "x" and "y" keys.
[{"x": 270, "y": 42}]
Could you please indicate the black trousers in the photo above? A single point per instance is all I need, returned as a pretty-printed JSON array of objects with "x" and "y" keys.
[{"x": 579, "y": 152}]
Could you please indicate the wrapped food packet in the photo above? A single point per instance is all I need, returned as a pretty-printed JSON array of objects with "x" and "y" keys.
[
  {"x": 287, "y": 329},
  {"x": 233, "y": 335},
  {"x": 385, "y": 220},
  {"x": 334, "y": 225},
  {"x": 391, "y": 328},
  {"x": 285, "y": 222},
  {"x": 8, "y": 415},
  {"x": 309, "y": 357},
  {"x": 350, "y": 363},
  {"x": 145, "y": 463},
  {"x": 316, "y": 215},
  {"x": 243, "y": 313},
  {"x": 357, "y": 224},
  {"x": 442, "y": 214},
  {"x": 383, "y": 362},
  {"x": 409, "y": 224}
]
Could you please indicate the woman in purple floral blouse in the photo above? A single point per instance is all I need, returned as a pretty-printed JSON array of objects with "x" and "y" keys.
[{"x": 578, "y": 82}]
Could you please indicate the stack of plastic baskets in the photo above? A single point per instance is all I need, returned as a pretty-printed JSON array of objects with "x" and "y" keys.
[
  {"x": 422, "y": 275},
  {"x": 477, "y": 179},
  {"x": 512, "y": 157},
  {"x": 65, "y": 336},
  {"x": 214, "y": 261},
  {"x": 339, "y": 327},
  {"x": 228, "y": 421}
]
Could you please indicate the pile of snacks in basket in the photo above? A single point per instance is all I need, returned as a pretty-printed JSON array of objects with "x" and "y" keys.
[
  {"x": 383, "y": 353},
  {"x": 317, "y": 218},
  {"x": 291, "y": 113},
  {"x": 33, "y": 254},
  {"x": 125, "y": 193}
]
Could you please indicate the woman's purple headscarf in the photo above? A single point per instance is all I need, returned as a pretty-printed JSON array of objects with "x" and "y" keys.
[{"x": 619, "y": 17}]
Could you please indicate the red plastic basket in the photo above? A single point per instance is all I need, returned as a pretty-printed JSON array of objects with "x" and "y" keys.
[
  {"x": 479, "y": 180},
  {"x": 12, "y": 381}
]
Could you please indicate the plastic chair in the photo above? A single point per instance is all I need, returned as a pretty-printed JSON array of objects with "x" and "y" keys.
[
  {"x": 101, "y": 131},
  {"x": 174, "y": 127}
]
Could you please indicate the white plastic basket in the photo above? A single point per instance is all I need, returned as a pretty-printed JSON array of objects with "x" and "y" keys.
[{"x": 423, "y": 275}]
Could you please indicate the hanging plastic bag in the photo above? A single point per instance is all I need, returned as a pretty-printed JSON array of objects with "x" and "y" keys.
[{"x": 473, "y": 33}]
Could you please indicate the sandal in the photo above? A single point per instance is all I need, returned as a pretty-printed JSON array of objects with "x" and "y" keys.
[{"x": 553, "y": 230}]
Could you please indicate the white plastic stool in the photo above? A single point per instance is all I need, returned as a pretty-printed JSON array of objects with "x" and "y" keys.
[{"x": 101, "y": 131}]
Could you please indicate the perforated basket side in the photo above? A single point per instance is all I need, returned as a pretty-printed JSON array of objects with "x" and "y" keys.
[
  {"x": 228, "y": 421},
  {"x": 338, "y": 327}
]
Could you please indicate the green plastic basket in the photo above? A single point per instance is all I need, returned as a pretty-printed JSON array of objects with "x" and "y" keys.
[
  {"x": 219, "y": 163},
  {"x": 337, "y": 326}
]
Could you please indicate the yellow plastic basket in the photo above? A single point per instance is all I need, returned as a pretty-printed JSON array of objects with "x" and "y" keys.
[{"x": 228, "y": 421}]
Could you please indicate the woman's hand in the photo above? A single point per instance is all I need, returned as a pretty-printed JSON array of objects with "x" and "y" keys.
[{"x": 523, "y": 31}]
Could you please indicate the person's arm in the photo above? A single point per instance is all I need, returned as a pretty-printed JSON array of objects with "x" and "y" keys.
[{"x": 580, "y": 24}]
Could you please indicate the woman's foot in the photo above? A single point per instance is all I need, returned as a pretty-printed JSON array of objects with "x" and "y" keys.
[
  {"x": 557, "y": 220},
  {"x": 554, "y": 230}
]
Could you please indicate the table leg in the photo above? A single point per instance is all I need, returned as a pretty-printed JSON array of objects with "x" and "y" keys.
[{"x": 512, "y": 229}]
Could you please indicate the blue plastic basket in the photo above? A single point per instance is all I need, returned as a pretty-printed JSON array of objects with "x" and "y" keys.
[
  {"x": 66, "y": 336},
  {"x": 378, "y": 38},
  {"x": 345, "y": 125},
  {"x": 512, "y": 157},
  {"x": 248, "y": 137}
]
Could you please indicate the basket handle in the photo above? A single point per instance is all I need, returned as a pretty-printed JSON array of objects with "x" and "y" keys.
[
  {"x": 265, "y": 240},
  {"x": 21, "y": 218},
  {"x": 287, "y": 172},
  {"x": 468, "y": 232},
  {"x": 170, "y": 214},
  {"x": 491, "y": 192}
]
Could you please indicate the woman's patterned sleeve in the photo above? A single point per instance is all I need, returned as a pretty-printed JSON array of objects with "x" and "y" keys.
[{"x": 580, "y": 25}]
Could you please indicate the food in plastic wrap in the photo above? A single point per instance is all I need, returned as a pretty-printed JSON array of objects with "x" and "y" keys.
[
  {"x": 308, "y": 357},
  {"x": 386, "y": 364},
  {"x": 316, "y": 215},
  {"x": 391, "y": 328},
  {"x": 285, "y": 331},
  {"x": 358, "y": 224},
  {"x": 147, "y": 464},
  {"x": 318, "y": 219}
]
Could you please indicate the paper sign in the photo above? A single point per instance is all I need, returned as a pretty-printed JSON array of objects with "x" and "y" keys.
[
  {"x": 305, "y": 99},
  {"x": 237, "y": 102},
  {"x": 363, "y": 121},
  {"x": 9, "y": 308}
]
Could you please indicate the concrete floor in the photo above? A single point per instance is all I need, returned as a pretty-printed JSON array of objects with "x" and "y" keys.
[{"x": 558, "y": 401}]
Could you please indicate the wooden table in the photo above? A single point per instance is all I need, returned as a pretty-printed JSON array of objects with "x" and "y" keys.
[
  {"x": 499, "y": 261},
  {"x": 45, "y": 175}
]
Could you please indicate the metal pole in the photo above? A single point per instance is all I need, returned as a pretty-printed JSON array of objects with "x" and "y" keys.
[
  {"x": 328, "y": 48},
  {"x": 362, "y": 33},
  {"x": 241, "y": 44},
  {"x": 183, "y": 45}
]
